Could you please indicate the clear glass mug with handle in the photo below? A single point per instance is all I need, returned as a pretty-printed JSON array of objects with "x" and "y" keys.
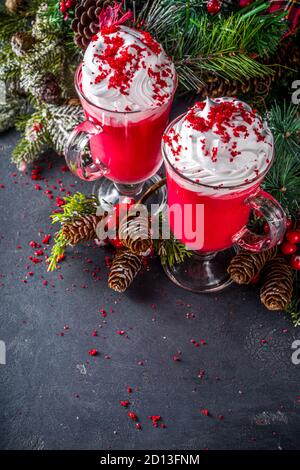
[
  {"x": 123, "y": 147},
  {"x": 212, "y": 220}
]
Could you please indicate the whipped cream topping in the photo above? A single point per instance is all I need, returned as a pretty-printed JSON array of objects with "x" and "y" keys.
[
  {"x": 221, "y": 142},
  {"x": 126, "y": 70}
]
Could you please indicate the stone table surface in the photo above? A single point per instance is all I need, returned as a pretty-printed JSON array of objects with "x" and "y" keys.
[{"x": 55, "y": 396}]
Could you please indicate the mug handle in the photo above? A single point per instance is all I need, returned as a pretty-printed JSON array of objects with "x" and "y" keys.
[
  {"x": 78, "y": 155},
  {"x": 273, "y": 213}
]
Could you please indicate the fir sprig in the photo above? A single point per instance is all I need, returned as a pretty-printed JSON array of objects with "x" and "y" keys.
[
  {"x": 285, "y": 123},
  {"x": 75, "y": 205},
  {"x": 170, "y": 251},
  {"x": 293, "y": 308},
  {"x": 58, "y": 251},
  {"x": 283, "y": 179},
  {"x": 225, "y": 45},
  {"x": 57, "y": 122}
]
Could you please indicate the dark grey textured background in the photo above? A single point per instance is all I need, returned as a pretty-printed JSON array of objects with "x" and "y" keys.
[{"x": 55, "y": 396}]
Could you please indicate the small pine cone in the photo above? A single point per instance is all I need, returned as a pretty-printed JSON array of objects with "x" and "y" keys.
[
  {"x": 125, "y": 266},
  {"x": 14, "y": 6},
  {"x": 49, "y": 90},
  {"x": 217, "y": 87},
  {"x": 277, "y": 284},
  {"x": 246, "y": 266},
  {"x": 134, "y": 231},
  {"x": 21, "y": 42},
  {"x": 86, "y": 21},
  {"x": 81, "y": 229},
  {"x": 287, "y": 59}
]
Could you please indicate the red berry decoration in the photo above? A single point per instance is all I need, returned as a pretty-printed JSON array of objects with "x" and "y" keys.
[
  {"x": 288, "y": 248},
  {"x": 245, "y": 3},
  {"x": 293, "y": 236},
  {"x": 116, "y": 242},
  {"x": 214, "y": 6},
  {"x": 62, "y": 7},
  {"x": 295, "y": 262}
]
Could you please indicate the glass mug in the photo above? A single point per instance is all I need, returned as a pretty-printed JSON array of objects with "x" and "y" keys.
[
  {"x": 222, "y": 220},
  {"x": 125, "y": 147}
]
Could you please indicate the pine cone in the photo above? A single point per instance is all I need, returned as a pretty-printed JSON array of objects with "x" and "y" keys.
[
  {"x": 49, "y": 91},
  {"x": 287, "y": 57},
  {"x": 21, "y": 42},
  {"x": 14, "y": 6},
  {"x": 81, "y": 229},
  {"x": 134, "y": 231},
  {"x": 86, "y": 21},
  {"x": 277, "y": 287},
  {"x": 125, "y": 266},
  {"x": 217, "y": 87},
  {"x": 245, "y": 266}
]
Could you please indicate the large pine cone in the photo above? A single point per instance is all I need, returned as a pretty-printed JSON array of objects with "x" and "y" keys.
[
  {"x": 277, "y": 284},
  {"x": 86, "y": 21},
  {"x": 21, "y": 42},
  {"x": 49, "y": 90},
  {"x": 125, "y": 266},
  {"x": 134, "y": 231},
  {"x": 81, "y": 229},
  {"x": 246, "y": 266}
]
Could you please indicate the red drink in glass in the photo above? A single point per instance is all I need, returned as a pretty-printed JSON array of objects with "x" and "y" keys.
[
  {"x": 127, "y": 145},
  {"x": 199, "y": 150}
]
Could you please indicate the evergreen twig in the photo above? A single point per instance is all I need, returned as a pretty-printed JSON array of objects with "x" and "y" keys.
[
  {"x": 58, "y": 251},
  {"x": 283, "y": 179},
  {"x": 226, "y": 45},
  {"x": 75, "y": 205}
]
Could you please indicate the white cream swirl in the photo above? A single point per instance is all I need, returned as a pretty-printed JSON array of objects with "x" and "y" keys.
[
  {"x": 126, "y": 70},
  {"x": 220, "y": 143}
]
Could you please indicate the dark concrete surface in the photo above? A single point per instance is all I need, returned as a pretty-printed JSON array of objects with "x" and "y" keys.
[{"x": 55, "y": 396}]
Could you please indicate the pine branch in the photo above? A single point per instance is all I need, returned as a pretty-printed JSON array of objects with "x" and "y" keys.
[
  {"x": 61, "y": 120},
  {"x": 170, "y": 250},
  {"x": 283, "y": 179},
  {"x": 26, "y": 151},
  {"x": 9, "y": 112},
  {"x": 35, "y": 138},
  {"x": 75, "y": 205},
  {"x": 293, "y": 308},
  {"x": 285, "y": 124},
  {"x": 57, "y": 251},
  {"x": 225, "y": 45}
]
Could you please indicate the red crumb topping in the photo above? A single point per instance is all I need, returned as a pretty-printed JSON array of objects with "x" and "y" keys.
[{"x": 119, "y": 63}]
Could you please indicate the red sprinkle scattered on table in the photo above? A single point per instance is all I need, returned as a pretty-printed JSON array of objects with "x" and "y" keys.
[
  {"x": 132, "y": 415},
  {"x": 46, "y": 240},
  {"x": 124, "y": 403},
  {"x": 93, "y": 352}
]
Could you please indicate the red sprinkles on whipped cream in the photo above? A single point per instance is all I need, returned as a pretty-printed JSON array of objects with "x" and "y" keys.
[
  {"x": 221, "y": 142},
  {"x": 126, "y": 70}
]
